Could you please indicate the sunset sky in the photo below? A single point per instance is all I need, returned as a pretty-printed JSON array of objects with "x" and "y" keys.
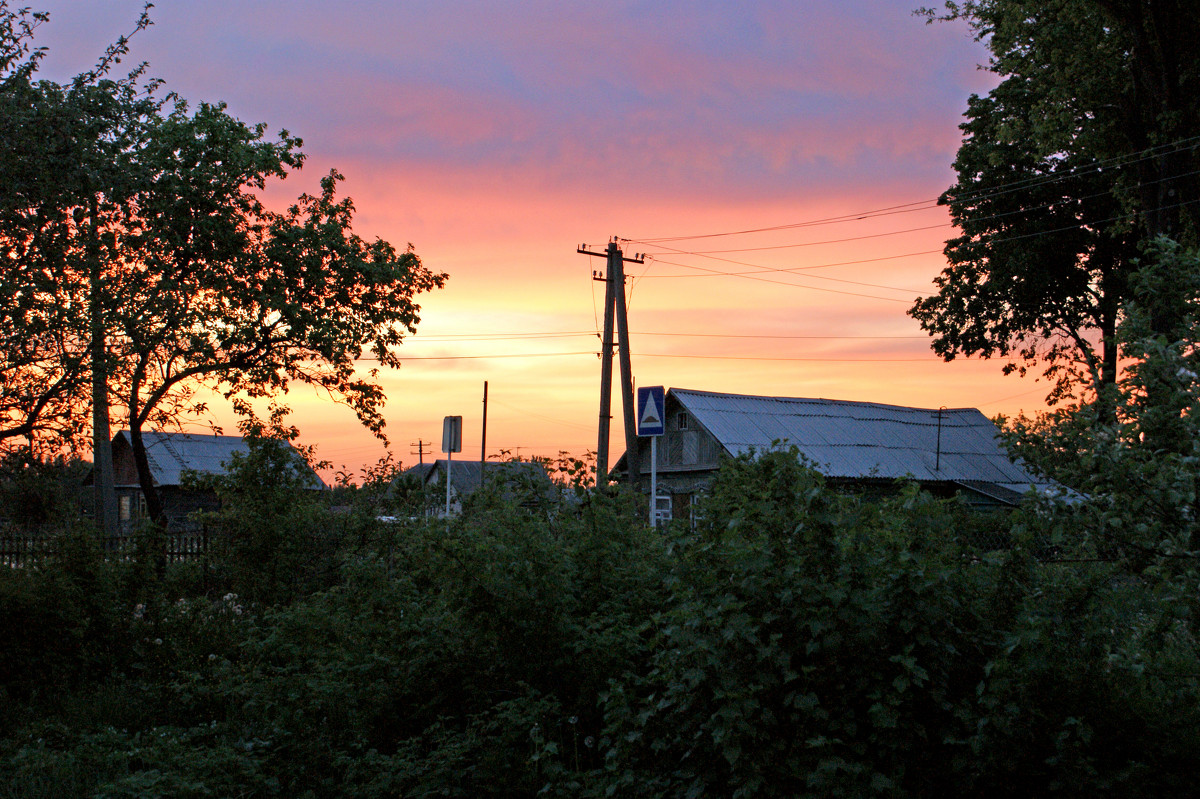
[{"x": 497, "y": 137}]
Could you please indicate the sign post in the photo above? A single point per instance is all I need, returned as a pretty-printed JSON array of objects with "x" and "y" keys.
[
  {"x": 651, "y": 407},
  {"x": 451, "y": 443}
]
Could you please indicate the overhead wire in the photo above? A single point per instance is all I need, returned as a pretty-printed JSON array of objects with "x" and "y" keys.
[
  {"x": 524, "y": 411},
  {"x": 1022, "y": 211},
  {"x": 919, "y": 205},
  {"x": 468, "y": 337},
  {"x": 760, "y": 269},
  {"x": 817, "y": 243},
  {"x": 752, "y": 276},
  {"x": 452, "y": 337},
  {"x": 768, "y": 270},
  {"x": 595, "y": 311},
  {"x": 1157, "y": 151},
  {"x": 773, "y": 358},
  {"x": 923, "y": 205},
  {"x": 592, "y": 353},
  {"x": 798, "y": 269}
]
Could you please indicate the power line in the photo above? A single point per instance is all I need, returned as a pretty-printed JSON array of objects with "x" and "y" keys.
[
  {"x": 471, "y": 337},
  {"x": 652, "y": 355},
  {"x": 719, "y": 273},
  {"x": 760, "y": 336},
  {"x": 770, "y": 358},
  {"x": 813, "y": 243},
  {"x": 1118, "y": 161},
  {"x": 795, "y": 269},
  {"x": 1022, "y": 211},
  {"x": 484, "y": 357},
  {"x": 968, "y": 196},
  {"x": 454, "y": 337},
  {"x": 1090, "y": 223},
  {"x": 752, "y": 276},
  {"x": 523, "y": 411},
  {"x": 919, "y": 205},
  {"x": 759, "y": 269}
]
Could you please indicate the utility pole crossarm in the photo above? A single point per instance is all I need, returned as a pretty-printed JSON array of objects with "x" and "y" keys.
[{"x": 638, "y": 258}]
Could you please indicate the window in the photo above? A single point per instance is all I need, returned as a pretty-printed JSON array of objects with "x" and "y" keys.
[
  {"x": 682, "y": 422},
  {"x": 662, "y": 508}
]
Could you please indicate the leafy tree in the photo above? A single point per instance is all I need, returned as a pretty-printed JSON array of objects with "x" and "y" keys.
[
  {"x": 1141, "y": 500},
  {"x": 63, "y": 163},
  {"x": 1085, "y": 150},
  {"x": 249, "y": 300},
  {"x": 189, "y": 279}
]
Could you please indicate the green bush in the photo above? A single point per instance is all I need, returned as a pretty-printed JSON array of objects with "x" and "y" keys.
[
  {"x": 63, "y": 622},
  {"x": 800, "y": 641}
]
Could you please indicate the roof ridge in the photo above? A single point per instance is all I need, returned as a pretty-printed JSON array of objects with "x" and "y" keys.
[{"x": 674, "y": 390}]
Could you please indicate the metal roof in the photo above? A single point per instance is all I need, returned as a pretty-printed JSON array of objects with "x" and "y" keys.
[
  {"x": 170, "y": 454},
  {"x": 464, "y": 474},
  {"x": 862, "y": 439}
]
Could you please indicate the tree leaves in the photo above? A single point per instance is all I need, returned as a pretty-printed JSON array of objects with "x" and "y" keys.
[{"x": 1061, "y": 175}]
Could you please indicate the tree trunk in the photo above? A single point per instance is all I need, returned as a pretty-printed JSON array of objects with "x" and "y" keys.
[
  {"x": 104, "y": 490},
  {"x": 154, "y": 506}
]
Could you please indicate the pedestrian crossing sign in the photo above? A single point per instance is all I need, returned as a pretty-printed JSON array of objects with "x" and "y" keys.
[{"x": 651, "y": 411}]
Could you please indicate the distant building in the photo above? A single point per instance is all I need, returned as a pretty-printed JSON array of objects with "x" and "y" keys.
[
  {"x": 525, "y": 479},
  {"x": 171, "y": 455},
  {"x": 862, "y": 445}
]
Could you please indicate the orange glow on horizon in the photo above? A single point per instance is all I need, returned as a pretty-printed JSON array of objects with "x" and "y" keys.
[{"x": 534, "y": 338}]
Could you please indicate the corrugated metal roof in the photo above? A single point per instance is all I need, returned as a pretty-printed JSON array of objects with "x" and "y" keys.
[
  {"x": 464, "y": 474},
  {"x": 861, "y": 439},
  {"x": 171, "y": 454}
]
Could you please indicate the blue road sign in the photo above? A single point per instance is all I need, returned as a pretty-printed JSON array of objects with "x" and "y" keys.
[{"x": 651, "y": 411}]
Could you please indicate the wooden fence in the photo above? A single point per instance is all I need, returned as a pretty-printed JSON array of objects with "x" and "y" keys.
[{"x": 22, "y": 548}]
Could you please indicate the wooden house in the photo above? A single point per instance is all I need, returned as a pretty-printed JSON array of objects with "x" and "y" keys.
[
  {"x": 171, "y": 456},
  {"x": 862, "y": 445}
]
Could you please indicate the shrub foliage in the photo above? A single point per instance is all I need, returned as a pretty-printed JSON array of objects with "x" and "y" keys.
[{"x": 798, "y": 642}]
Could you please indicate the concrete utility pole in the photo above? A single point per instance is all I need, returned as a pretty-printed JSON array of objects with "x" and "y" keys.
[{"x": 614, "y": 307}]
